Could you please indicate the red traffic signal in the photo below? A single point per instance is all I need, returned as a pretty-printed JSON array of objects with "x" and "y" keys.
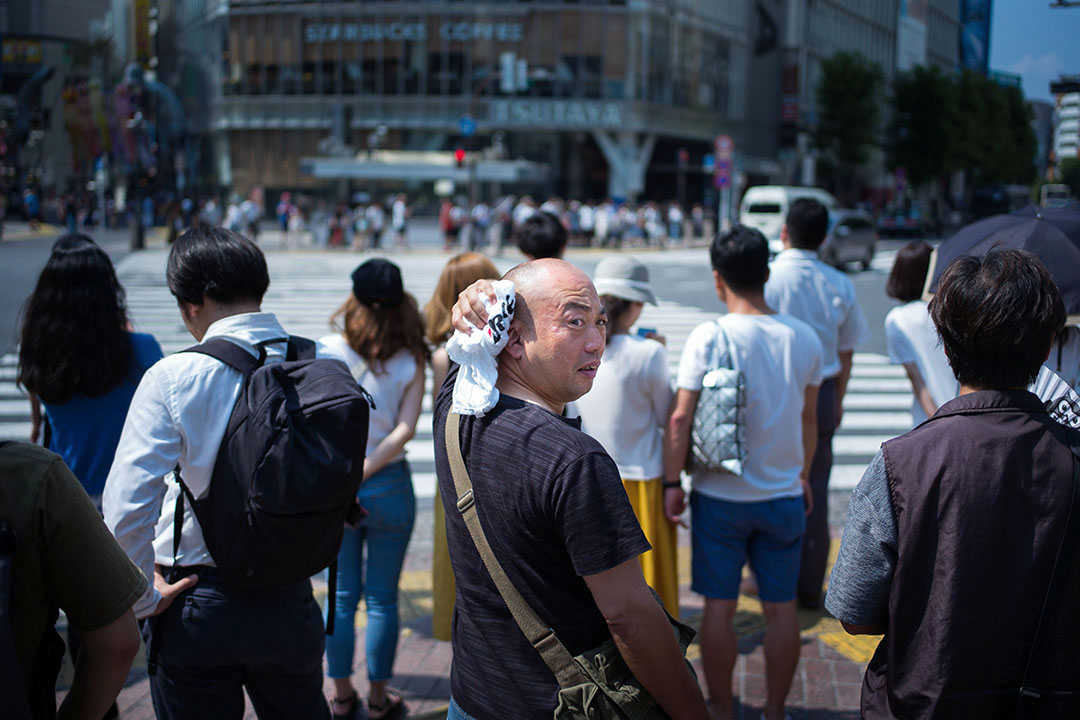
[{"x": 459, "y": 157}]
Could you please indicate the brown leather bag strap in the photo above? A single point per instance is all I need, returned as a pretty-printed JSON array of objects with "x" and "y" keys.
[{"x": 542, "y": 637}]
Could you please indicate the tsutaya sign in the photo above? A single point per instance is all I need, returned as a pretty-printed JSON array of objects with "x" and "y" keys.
[
  {"x": 452, "y": 31},
  {"x": 558, "y": 113}
]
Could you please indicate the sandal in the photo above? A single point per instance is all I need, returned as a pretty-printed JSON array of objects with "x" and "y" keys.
[
  {"x": 392, "y": 702},
  {"x": 344, "y": 709}
]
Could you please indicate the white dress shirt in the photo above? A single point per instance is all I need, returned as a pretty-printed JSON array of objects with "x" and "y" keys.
[
  {"x": 821, "y": 296},
  {"x": 178, "y": 416}
]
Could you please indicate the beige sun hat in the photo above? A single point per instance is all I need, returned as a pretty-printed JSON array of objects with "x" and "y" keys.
[{"x": 624, "y": 277}]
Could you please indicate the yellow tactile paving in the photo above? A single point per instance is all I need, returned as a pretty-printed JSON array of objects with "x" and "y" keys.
[{"x": 416, "y": 603}]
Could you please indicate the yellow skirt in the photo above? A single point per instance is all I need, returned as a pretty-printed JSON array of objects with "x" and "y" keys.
[
  {"x": 442, "y": 578},
  {"x": 659, "y": 565}
]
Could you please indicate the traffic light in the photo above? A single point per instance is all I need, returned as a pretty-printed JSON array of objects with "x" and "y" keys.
[{"x": 459, "y": 157}]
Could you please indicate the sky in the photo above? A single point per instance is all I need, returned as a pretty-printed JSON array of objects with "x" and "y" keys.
[{"x": 1035, "y": 41}]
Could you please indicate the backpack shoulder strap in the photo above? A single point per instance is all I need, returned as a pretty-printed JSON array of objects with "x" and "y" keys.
[
  {"x": 542, "y": 637},
  {"x": 300, "y": 348},
  {"x": 231, "y": 354}
]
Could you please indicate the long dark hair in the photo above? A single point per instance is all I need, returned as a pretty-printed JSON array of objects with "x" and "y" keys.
[
  {"x": 377, "y": 334},
  {"x": 74, "y": 336}
]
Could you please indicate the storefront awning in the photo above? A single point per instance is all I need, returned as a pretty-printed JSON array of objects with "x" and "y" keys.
[{"x": 425, "y": 166}]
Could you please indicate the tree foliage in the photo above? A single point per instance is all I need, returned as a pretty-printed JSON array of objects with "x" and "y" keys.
[
  {"x": 940, "y": 123},
  {"x": 1068, "y": 172},
  {"x": 849, "y": 108},
  {"x": 921, "y": 136}
]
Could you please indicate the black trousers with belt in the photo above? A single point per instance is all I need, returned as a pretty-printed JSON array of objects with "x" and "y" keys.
[
  {"x": 214, "y": 642},
  {"x": 815, "y": 549}
]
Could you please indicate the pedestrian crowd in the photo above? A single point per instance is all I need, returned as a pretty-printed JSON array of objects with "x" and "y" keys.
[
  {"x": 189, "y": 499},
  {"x": 370, "y": 222},
  {"x": 587, "y": 223}
]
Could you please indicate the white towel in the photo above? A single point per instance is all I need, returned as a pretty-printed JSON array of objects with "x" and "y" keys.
[{"x": 474, "y": 389}]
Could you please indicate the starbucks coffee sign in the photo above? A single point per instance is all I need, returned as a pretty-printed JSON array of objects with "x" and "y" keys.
[{"x": 451, "y": 31}]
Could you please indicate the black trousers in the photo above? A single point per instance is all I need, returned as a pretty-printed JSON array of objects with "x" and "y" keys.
[
  {"x": 213, "y": 642},
  {"x": 815, "y": 549}
]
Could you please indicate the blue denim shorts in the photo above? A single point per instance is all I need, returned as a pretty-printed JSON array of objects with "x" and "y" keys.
[{"x": 724, "y": 535}]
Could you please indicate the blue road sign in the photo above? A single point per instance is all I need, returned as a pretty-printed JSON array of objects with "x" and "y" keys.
[
  {"x": 467, "y": 125},
  {"x": 708, "y": 162}
]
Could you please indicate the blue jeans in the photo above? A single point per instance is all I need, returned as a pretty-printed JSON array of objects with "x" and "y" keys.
[
  {"x": 388, "y": 499},
  {"x": 454, "y": 712}
]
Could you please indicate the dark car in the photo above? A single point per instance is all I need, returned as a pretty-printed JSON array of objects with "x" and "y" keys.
[
  {"x": 901, "y": 224},
  {"x": 851, "y": 238}
]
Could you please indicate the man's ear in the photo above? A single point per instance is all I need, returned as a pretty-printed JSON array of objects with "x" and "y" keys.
[
  {"x": 189, "y": 311},
  {"x": 721, "y": 286},
  {"x": 515, "y": 346}
]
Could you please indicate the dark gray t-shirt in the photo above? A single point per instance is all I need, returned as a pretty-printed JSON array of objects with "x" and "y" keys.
[
  {"x": 859, "y": 584},
  {"x": 553, "y": 508}
]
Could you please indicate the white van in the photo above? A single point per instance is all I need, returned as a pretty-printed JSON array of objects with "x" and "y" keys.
[{"x": 765, "y": 207}]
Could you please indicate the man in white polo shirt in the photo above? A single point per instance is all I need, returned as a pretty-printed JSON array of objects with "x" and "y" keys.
[{"x": 824, "y": 298}]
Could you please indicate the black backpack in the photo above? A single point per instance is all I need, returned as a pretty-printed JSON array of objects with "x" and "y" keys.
[{"x": 285, "y": 479}]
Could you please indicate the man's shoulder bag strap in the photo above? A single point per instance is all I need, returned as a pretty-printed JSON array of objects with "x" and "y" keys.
[{"x": 542, "y": 637}]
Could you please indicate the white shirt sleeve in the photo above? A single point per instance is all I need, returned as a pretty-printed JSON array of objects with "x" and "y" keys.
[
  {"x": 694, "y": 362},
  {"x": 816, "y": 351},
  {"x": 149, "y": 449},
  {"x": 853, "y": 329},
  {"x": 897, "y": 342}
]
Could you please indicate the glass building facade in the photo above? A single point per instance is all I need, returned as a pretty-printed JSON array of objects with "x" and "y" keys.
[{"x": 265, "y": 82}]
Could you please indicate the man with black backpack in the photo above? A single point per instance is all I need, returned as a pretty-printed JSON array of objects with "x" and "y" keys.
[{"x": 234, "y": 476}]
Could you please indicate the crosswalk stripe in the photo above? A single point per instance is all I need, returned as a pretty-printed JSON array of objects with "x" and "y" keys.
[
  {"x": 856, "y": 401},
  {"x": 879, "y": 421},
  {"x": 13, "y": 407},
  {"x": 306, "y": 289},
  {"x": 864, "y": 384}
]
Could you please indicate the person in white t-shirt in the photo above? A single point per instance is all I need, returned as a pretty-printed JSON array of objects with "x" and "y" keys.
[
  {"x": 626, "y": 411},
  {"x": 802, "y": 286},
  {"x": 910, "y": 335},
  {"x": 759, "y": 515},
  {"x": 376, "y": 220},
  {"x": 399, "y": 216},
  {"x": 380, "y": 337}
]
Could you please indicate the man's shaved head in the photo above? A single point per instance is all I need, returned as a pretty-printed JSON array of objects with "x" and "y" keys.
[
  {"x": 557, "y": 334},
  {"x": 537, "y": 280}
]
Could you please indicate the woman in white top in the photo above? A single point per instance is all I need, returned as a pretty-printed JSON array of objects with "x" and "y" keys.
[
  {"x": 381, "y": 338},
  {"x": 626, "y": 411},
  {"x": 910, "y": 336},
  {"x": 460, "y": 272}
]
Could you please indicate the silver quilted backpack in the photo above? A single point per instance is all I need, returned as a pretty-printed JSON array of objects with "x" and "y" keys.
[{"x": 718, "y": 433}]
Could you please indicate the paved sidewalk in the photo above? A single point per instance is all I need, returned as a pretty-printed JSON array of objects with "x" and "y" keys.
[{"x": 827, "y": 681}]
